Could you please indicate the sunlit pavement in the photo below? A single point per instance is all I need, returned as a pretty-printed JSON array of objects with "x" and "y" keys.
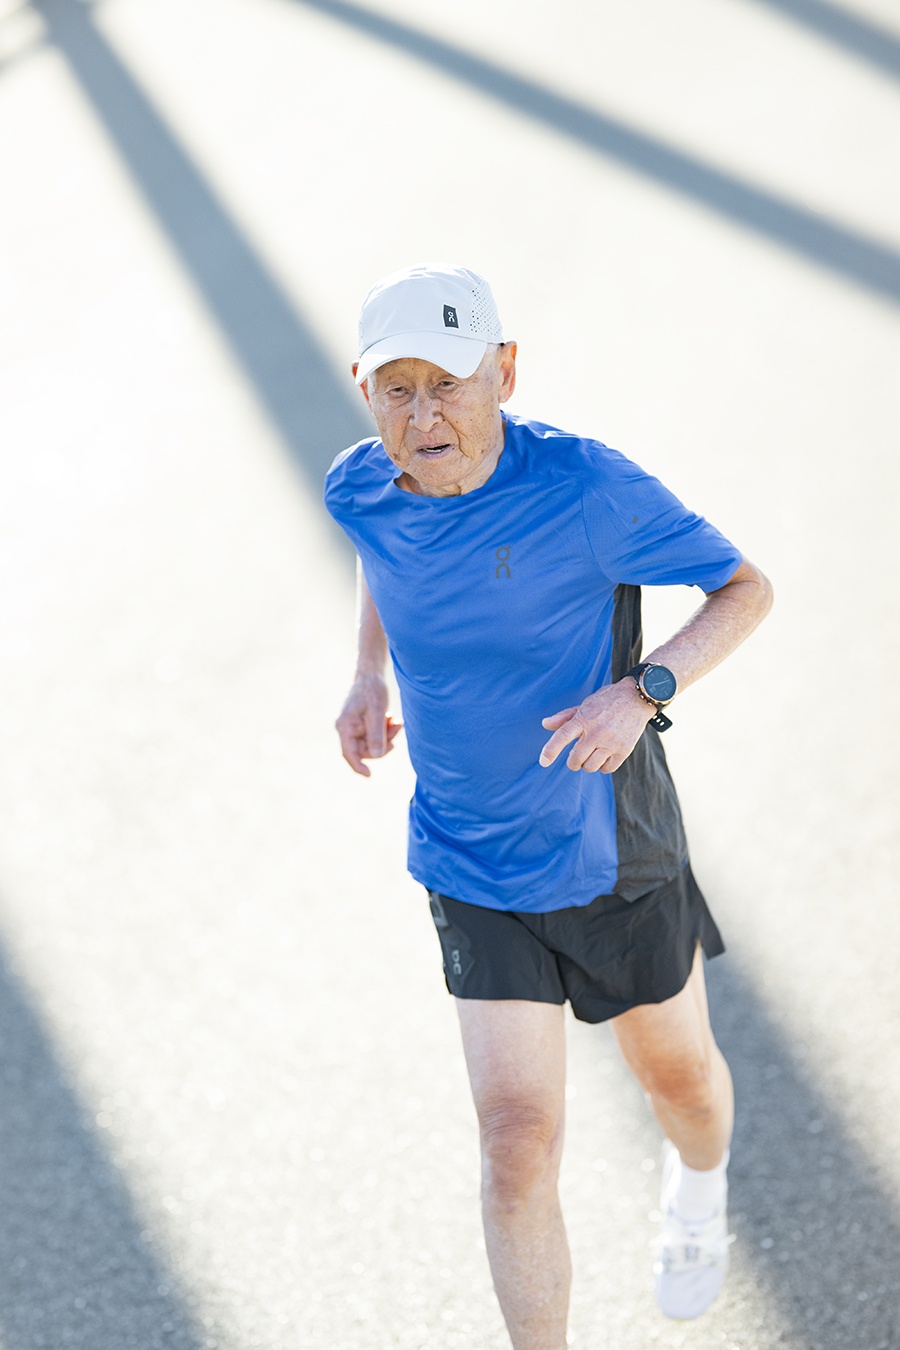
[{"x": 235, "y": 1112}]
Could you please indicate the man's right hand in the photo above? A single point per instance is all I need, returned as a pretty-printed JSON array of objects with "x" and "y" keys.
[{"x": 365, "y": 729}]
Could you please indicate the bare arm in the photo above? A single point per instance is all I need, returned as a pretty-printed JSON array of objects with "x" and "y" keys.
[
  {"x": 608, "y": 724},
  {"x": 365, "y": 729}
]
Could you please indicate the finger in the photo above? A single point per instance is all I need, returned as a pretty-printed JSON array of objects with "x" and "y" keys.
[
  {"x": 351, "y": 732},
  {"x": 556, "y": 719},
  {"x": 596, "y": 761},
  {"x": 375, "y": 729},
  {"x": 588, "y": 749},
  {"x": 570, "y": 732},
  {"x": 352, "y": 756},
  {"x": 392, "y": 729}
]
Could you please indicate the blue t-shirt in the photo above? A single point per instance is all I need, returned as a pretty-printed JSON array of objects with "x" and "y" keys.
[{"x": 498, "y": 609}]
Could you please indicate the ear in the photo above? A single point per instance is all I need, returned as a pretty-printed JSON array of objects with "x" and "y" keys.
[
  {"x": 364, "y": 385},
  {"x": 507, "y": 356}
]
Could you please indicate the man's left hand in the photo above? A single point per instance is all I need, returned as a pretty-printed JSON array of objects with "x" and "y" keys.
[{"x": 605, "y": 728}]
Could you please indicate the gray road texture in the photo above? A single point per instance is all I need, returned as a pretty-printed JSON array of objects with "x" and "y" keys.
[{"x": 234, "y": 1111}]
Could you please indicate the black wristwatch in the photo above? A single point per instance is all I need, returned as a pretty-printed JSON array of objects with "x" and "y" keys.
[{"x": 656, "y": 686}]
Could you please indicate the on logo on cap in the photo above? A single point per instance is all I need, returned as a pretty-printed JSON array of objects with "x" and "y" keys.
[{"x": 450, "y": 319}]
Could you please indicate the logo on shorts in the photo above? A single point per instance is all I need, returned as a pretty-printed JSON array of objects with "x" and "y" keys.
[
  {"x": 502, "y": 555},
  {"x": 450, "y": 319},
  {"x": 457, "y": 964}
]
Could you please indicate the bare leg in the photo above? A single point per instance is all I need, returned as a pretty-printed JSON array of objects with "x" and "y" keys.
[
  {"x": 516, "y": 1057},
  {"x": 671, "y": 1051}
]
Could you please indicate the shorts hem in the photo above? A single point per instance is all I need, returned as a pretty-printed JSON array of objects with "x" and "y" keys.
[{"x": 604, "y": 958}]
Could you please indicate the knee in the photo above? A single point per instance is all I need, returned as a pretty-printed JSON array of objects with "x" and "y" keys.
[
  {"x": 520, "y": 1149},
  {"x": 686, "y": 1085}
]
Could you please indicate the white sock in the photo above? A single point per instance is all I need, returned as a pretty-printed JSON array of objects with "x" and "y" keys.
[{"x": 700, "y": 1195}]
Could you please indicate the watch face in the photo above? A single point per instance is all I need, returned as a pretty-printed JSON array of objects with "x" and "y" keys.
[{"x": 659, "y": 683}]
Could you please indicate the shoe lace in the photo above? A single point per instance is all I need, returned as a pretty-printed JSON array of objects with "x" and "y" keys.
[{"x": 685, "y": 1244}]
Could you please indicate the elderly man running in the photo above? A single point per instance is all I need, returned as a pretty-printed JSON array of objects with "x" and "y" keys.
[{"x": 502, "y": 562}]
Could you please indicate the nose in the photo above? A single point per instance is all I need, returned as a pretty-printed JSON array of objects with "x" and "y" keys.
[{"x": 425, "y": 411}]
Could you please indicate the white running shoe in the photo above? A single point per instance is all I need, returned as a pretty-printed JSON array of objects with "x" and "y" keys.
[{"x": 691, "y": 1258}]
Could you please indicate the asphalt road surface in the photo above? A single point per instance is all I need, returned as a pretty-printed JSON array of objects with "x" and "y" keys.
[{"x": 234, "y": 1109}]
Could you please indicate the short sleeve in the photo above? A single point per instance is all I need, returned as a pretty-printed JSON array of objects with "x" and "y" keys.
[{"x": 642, "y": 535}]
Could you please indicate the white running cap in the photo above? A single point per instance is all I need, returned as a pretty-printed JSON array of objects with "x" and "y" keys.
[{"x": 438, "y": 312}]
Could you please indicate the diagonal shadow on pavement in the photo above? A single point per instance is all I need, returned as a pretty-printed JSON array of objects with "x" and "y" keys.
[
  {"x": 75, "y": 1267},
  {"x": 807, "y": 233},
  {"x": 292, "y": 375},
  {"x": 854, "y": 34},
  {"x": 807, "y": 1205}
]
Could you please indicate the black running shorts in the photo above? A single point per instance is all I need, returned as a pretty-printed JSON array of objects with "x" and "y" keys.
[{"x": 605, "y": 957}]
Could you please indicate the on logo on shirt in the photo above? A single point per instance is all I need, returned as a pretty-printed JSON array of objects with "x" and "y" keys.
[{"x": 502, "y": 566}]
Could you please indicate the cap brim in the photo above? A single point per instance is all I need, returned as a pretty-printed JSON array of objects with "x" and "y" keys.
[{"x": 459, "y": 356}]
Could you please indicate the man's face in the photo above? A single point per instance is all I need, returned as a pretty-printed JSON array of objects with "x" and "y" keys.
[{"x": 440, "y": 431}]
